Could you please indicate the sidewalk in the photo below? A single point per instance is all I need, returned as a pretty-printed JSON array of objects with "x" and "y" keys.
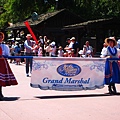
[{"x": 23, "y": 102}]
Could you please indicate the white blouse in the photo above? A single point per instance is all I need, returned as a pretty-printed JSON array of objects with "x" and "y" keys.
[{"x": 107, "y": 52}]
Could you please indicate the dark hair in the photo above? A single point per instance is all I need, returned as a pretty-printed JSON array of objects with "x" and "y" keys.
[
  {"x": 111, "y": 40},
  {"x": 68, "y": 39}
]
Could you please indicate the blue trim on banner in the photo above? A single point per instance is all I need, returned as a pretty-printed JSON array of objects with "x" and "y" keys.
[
  {"x": 53, "y": 57},
  {"x": 66, "y": 87},
  {"x": 18, "y": 56}
]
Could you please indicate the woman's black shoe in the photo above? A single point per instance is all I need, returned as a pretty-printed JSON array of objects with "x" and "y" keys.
[
  {"x": 114, "y": 89},
  {"x": 111, "y": 92},
  {"x": 1, "y": 97}
]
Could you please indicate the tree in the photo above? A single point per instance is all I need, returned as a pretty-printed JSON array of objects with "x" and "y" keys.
[{"x": 18, "y": 10}]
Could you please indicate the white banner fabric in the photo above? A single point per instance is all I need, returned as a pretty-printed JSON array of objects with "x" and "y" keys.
[{"x": 66, "y": 74}]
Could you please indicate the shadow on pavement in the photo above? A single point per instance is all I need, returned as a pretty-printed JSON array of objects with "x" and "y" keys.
[
  {"x": 10, "y": 98},
  {"x": 75, "y": 96}
]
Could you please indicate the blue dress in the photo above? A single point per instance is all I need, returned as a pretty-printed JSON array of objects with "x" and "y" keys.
[{"x": 112, "y": 68}]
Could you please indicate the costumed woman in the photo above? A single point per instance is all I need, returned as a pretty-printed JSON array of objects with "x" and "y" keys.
[
  {"x": 7, "y": 77},
  {"x": 112, "y": 68}
]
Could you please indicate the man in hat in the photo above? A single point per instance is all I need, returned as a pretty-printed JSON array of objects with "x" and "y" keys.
[
  {"x": 75, "y": 46},
  {"x": 7, "y": 77},
  {"x": 29, "y": 47},
  {"x": 52, "y": 49}
]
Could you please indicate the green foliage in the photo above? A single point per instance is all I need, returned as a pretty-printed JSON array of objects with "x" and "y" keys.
[
  {"x": 94, "y": 9},
  {"x": 18, "y": 10}
]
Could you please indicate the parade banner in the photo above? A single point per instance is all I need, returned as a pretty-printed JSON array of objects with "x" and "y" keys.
[{"x": 67, "y": 74}]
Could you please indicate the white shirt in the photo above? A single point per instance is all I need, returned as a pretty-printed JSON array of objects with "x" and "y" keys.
[
  {"x": 47, "y": 48},
  {"x": 85, "y": 49},
  {"x": 103, "y": 52},
  {"x": 53, "y": 51},
  {"x": 40, "y": 51},
  {"x": 107, "y": 52},
  {"x": 70, "y": 46},
  {"x": 60, "y": 53},
  {"x": 41, "y": 41}
]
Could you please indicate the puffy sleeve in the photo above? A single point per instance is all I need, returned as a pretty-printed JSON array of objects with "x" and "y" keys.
[{"x": 6, "y": 50}]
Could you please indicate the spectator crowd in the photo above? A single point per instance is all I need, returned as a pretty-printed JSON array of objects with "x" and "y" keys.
[{"x": 49, "y": 48}]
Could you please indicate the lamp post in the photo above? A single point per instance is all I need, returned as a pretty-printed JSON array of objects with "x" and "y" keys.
[{"x": 56, "y": 4}]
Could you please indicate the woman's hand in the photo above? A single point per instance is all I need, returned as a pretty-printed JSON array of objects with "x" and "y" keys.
[{"x": 109, "y": 57}]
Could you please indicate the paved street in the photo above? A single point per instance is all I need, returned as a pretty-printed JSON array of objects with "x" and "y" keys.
[{"x": 23, "y": 102}]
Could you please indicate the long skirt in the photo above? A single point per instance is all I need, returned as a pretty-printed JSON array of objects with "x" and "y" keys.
[
  {"x": 7, "y": 77},
  {"x": 112, "y": 72}
]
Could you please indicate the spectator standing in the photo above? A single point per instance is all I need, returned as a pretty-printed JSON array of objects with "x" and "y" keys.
[
  {"x": 17, "y": 51},
  {"x": 118, "y": 48},
  {"x": 47, "y": 48},
  {"x": 52, "y": 49},
  {"x": 22, "y": 51},
  {"x": 118, "y": 43},
  {"x": 41, "y": 39},
  {"x": 29, "y": 43},
  {"x": 40, "y": 51},
  {"x": 45, "y": 39},
  {"x": 12, "y": 51},
  {"x": 75, "y": 46},
  {"x": 103, "y": 50}
]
